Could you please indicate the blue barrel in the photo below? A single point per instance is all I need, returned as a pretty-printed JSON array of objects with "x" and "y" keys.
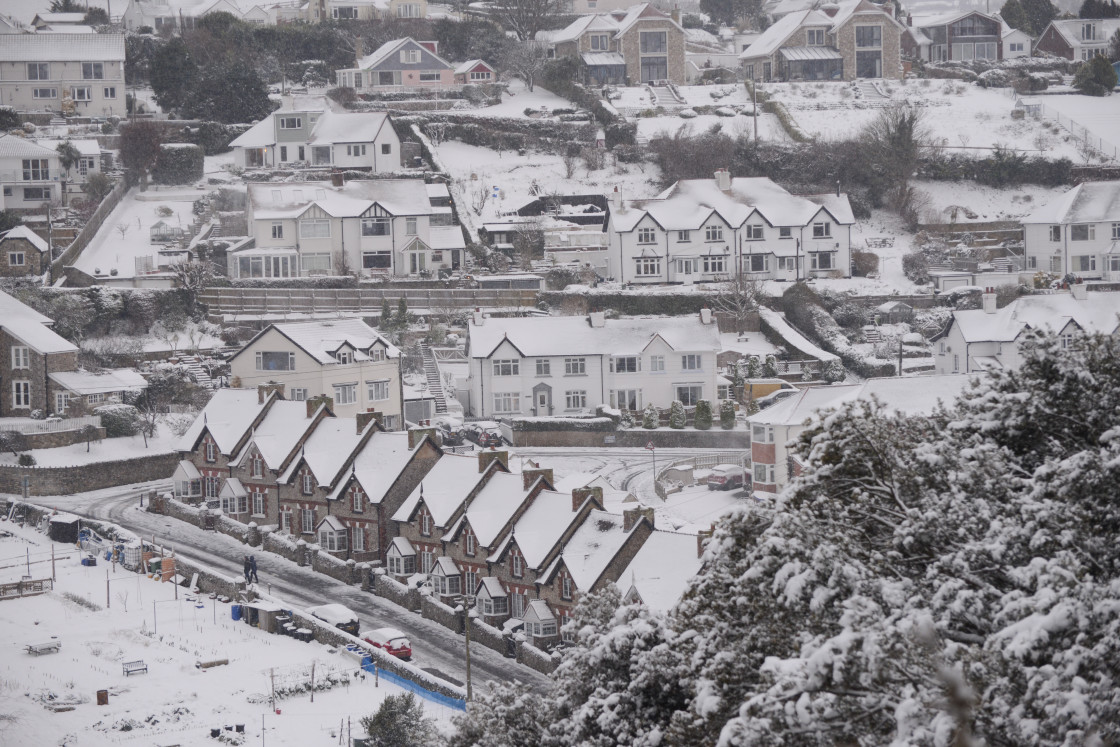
[
  {"x": 236, "y": 611},
  {"x": 108, "y": 554}
]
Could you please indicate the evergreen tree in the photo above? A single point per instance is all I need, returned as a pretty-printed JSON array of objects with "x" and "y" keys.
[
  {"x": 1095, "y": 77},
  {"x": 400, "y": 722},
  {"x": 1015, "y": 16},
  {"x": 677, "y": 416},
  {"x": 174, "y": 74},
  {"x": 650, "y": 417},
  {"x": 1039, "y": 14},
  {"x": 702, "y": 418},
  {"x": 727, "y": 415},
  {"x": 386, "y": 320}
]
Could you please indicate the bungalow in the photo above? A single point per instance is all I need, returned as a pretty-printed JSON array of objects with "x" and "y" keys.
[
  {"x": 93, "y": 388},
  {"x": 1077, "y": 233},
  {"x": 320, "y": 138},
  {"x": 839, "y": 41},
  {"x": 1078, "y": 39},
  {"x": 396, "y": 65},
  {"x": 1015, "y": 43},
  {"x": 323, "y": 11},
  {"x": 23, "y": 252},
  {"x": 83, "y": 73},
  {"x": 476, "y": 71}
]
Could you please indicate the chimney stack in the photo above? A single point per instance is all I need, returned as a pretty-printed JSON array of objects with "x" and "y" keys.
[
  {"x": 416, "y": 435},
  {"x": 263, "y": 390},
  {"x": 631, "y": 516},
  {"x": 321, "y": 399},
  {"x": 580, "y": 495},
  {"x": 476, "y": 317},
  {"x": 1079, "y": 290},
  {"x": 675, "y": 14},
  {"x": 616, "y": 198},
  {"x": 336, "y": 179},
  {"x": 529, "y": 476},
  {"x": 705, "y": 315},
  {"x": 486, "y": 456},
  {"x": 988, "y": 298},
  {"x": 597, "y": 319},
  {"x": 362, "y": 419},
  {"x": 723, "y": 180}
]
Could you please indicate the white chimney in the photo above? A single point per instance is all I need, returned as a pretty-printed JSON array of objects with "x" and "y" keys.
[
  {"x": 723, "y": 180},
  {"x": 989, "y": 300},
  {"x": 1080, "y": 291},
  {"x": 476, "y": 317},
  {"x": 705, "y": 315},
  {"x": 616, "y": 198},
  {"x": 597, "y": 319}
]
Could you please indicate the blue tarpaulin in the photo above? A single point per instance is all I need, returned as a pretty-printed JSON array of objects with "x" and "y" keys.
[{"x": 458, "y": 704}]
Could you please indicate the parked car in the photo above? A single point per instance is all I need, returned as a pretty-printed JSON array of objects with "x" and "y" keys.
[
  {"x": 338, "y": 616},
  {"x": 390, "y": 640},
  {"x": 775, "y": 397},
  {"x": 725, "y": 477},
  {"x": 450, "y": 435},
  {"x": 484, "y": 433}
]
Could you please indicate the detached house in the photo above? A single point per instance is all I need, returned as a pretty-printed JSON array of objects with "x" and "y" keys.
[
  {"x": 968, "y": 35},
  {"x": 710, "y": 229},
  {"x": 1078, "y": 39},
  {"x": 23, "y": 252},
  {"x": 378, "y": 227},
  {"x": 47, "y": 72},
  {"x": 636, "y": 46},
  {"x": 322, "y": 11},
  {"x": 320, "y": 138},
  {"x": 30, "y": 174},
  {"x": 400, "y": 64},
  {"x": 1077, "y": 233},
  {"x": 845, "y": 41},
  {"x": 556, "y": 366},
  {"x": 343, "y": 359}
]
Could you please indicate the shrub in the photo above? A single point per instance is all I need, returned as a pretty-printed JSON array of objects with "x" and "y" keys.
[
  {"x": 119, "y": 420},
  {"x": 676, "y": 414},
  {"x": 26, "y": 460},
  {"x": 864, "y": 263},
  {"x": 916, "y": 268},
  {"x": 727, "y": 415},
  {"x": 702, "y": 418},
  {"x": 1095, "y": 77},
  {"x": 178, "y": 163},
  {"x": 650, "y": 417}
]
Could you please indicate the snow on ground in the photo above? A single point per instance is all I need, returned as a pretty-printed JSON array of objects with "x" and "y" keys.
[
  {"x": 108, "y": 449},
  {"x": 768, "y": 126},
  {"x": 175, "y": 702},
  {"x": 1099, "y": 115},
  {"x": 191, "y": 337},
  {"x": 124, "y": 237},
  {"x": 519, "y": 98}
]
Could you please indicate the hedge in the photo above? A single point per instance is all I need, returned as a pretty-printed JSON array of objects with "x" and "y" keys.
[{"x": 178, "y": 163}]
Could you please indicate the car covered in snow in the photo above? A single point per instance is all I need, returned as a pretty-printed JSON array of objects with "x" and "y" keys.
[
  {"x": 725, "y": 477},
  {"x": 337, "y": 615},
  {"x": 484, "y": 433},
  {"x": 775, "y": 397},
  {"x": 390, "y": 640}
]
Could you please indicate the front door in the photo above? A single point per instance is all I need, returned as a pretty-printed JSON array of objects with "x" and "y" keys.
[
  {"x": 1114, "y": 267},
  {"x": 542, "y": 403},
  {"x": 686, "y": 269}
]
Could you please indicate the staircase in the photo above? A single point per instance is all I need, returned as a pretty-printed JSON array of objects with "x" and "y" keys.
[
  {"x": 431, "y": 374},
  {"x": 869, "y": 91},
  {"x": 198, "y": 372},
  {"x": 665, "y": 96},
  {"x": 871, "y": 334}
]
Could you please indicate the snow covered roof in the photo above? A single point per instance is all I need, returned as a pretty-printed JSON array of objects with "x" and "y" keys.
[
  {"x": 905, "y": 395},
  {"x": 401, "y": 546},
  {"x": 944, "y": 19},
  {"x": 68, "y": 28},
  {"x": 99, "y": 382},
  {"x": 18, "y": 147},
  {"x": 642, "y": 12},
  {"x": 689, "y": 203},
  {"x": 290, "y": 200},
  {"x": 62, "y": 47},
  {"x": 23, "y": 232},
  {"x": 227, "y": 416},
  {"x": 540, "y": 527},
  {"x": 1095, "y": 313},
  {"x": 443, "y": 489},
  {"x": 233, "y": 487},
  {"x": 388, "y": 48},
  {"x": 539, "y": 611},
  {"x": 495, "y": 505},
  {"x": 492, "y": 587},
  {"x": 437, "y": 190},
  {"x": 603, "y": 58},
  {"x": 48, "y": 17},
  {"x": 445, "y": 566},
  {"x": 351, "y": 127},
  {"x": 1088, "y": 202},
  {"x": 573, "y": 335},
  {"x": 187, "y": 471},
  {"x": 469, "y": 65},
  {"x": 320, "y": 339},
  {"x": 332, "y": 523},
  {"x": 277, "y": 434},
  {"x": 326, "y": 450},
  {"x": 11, "y": 309},
  {"x": 36, "y": 335},
  {"x": 602, "y": 22},
  {"x": 378, "y": 464},
  {"x": 781, "y": 30},
  {"x": 792, "y": 337},
  {"x": 661, "y": 569},
  {"x": 446, "y": 237},
  {"x": 1071, "y": 30},
  {"x": 592, "y": 547}
]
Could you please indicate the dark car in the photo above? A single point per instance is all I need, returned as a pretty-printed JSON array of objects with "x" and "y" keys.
[
  {"x": 450, "y": 435},
  {"x": 725, "y": 477},
  {"x": 484, "y": 433}
]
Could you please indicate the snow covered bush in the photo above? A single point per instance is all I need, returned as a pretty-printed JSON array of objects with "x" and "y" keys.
[
  {"x": 702, "y": 418},
  {"x": 676, "y": 414},
  {"x": 650, "y": 417},
  {"x": 727, "y": 415},
  {"x": 119, "y": 420}
]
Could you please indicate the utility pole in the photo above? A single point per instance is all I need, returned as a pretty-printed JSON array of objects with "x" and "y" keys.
[
  {"x": 52, "y": 563},
  {"x": 900, "y": 356},
  {"x": 467, "y": 613},
  {"x": 754, "y": 106},
  {"x": 106, "y": 587},
  {"x": 312, "y": 682}
]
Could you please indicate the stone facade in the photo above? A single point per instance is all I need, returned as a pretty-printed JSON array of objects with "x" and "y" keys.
[
  {"x": 35, "y": 374},
  {"x": 845, "y": 39},
  {"x": 95, "y": 476},
  {"x": 19, "y": 258},
  {"x": 631, "y": 49}
]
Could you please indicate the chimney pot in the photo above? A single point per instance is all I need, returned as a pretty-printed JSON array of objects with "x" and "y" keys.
[{"x": 416, "y": 435}]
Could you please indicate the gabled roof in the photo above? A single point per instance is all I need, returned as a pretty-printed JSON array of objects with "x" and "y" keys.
[
  {"x": 492, "y": 587},
  {"x": 1088, "y": 202},
  {"x": 320, "y": 339},
  {"x": 592, "y": 547},
  {"x": 187, "y": 471},
  {"x": 351, "y": 127},
  {"x": 1095, "y": 313},
  {"x": 944, "y": 19},
  {"x": 781, "y": 30},
  {"x": 291, "y": 200},
  {"x": 332, "y": 523},
  {"x": 539, "y": 528},
  {"x": 62, "y": 47},
  {"x": 100, "y": 382},
  {"x": 226, "y": 417},
  {"x": 643, "y": 12},
  {"x": 401, "y": 546},
  {"x": 37, "y": 336},
  {"x": 18, "y": 147},
  {"x": 325, "y": 451},
  {"x": 572, "y": 335},
  {"x": 378, "y": 464},
  {"x": 25, "y": 233},
  {"x": 10, "y": 309},
  {"x": 494, "y": 505},
  {"x": 443, "y": 489},
  {"x": 470, "y": 65},
  {"x": 1070, "y": 30},
  {"x": 661, "y": 569},
  {"x": 233, "y": 487},
  {"x": 278, "y": 433},
  {"x": 388, "y": 48}
]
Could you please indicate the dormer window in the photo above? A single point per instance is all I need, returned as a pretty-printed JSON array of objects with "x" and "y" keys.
[
  {"x": 815, "y": 37},
  {"x": 516, "y": 565},
  {"x": 470, "y": 542},
  {"x": 600, "y": 43},
  {"x": 344, "y": 356},
  {"x": 211, "y": 452},
  {"x": 377, "y": 354},
  {"x": 1088, "y": 32},
  {"x": 566, "y": 586},
  {"x": 256, "y": 466}
]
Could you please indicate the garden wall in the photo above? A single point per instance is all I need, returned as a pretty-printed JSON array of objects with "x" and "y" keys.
[
  {"x": 661, "y": 438},
  {"x": 95, "y": 476}
]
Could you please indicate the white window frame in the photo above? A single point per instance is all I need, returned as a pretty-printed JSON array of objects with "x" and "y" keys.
[
  {"x": 822, "y": 230},
  {"x": 506, "y": 366},
  {"x": 258, "y": 503},
  {"x": 713, "y": 233},
  {"x": 575, "y": 366},
  {"x": 626, "y": 364},
  {"x": 259, "y": 360},
  {"x": 544, "y": 367},
  {"x": 314, "y": 229},
  {"x": 93, "y": 71},
  {"x": 307, "y": 520},
  {"x": 1089, "y": 229},
  {"x": 345, "y": 394},
  {"x": 298, "y": 394},
  {"x": 21, "y": 395},
  {"x": 357, "y": 538},
  {"x": 647, "y": 266},
  {"x": 21, "y": 356},
  {"x": 692, "y": 362},
  {"x": 291, "y": 123},
  {"x": 647, "y": 235},
  {"x": 507, "y": 402},
  {"x": 657, "y": 363},
  {"x": 575, "y": 399},
  {"x": 377, "y": 390},
  {"x": 306, "y": 485},
  {"x": 410, "y": 56}
]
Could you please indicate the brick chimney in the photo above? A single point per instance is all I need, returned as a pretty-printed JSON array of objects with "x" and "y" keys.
[
  {"x": 723, "y": 180},
  {"x": 529, "y": 476},
  {"x": 487, "y": 455},
  {"x": 416, "y": 435},
  {"x": 702, "y": 538},
  {"x": 321, "y": 399},
  {"x": 362, "y": 420},
  {"x": 336, "y": 179},
  {"x": 263, "y": 390},
  {"x": 580, "y": 495},
  {"x": 631, "y": 516},
  {"x": 597, "y": 319}
]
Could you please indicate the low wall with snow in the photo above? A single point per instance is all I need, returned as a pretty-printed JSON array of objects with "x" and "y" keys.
[
  {"x": 662, "y": 438},
  {"x": 436, "y": 611},
  {"x": 396, "y": 592},
  {"x": 79, "y": 479},
  {"x": 535, "y": 658},
  {"x": 338, "y": 569}
]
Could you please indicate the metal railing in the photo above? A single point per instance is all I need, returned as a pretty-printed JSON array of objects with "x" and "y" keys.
[{"x": 54, "y": 425}]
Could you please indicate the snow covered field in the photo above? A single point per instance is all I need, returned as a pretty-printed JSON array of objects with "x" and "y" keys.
[
  {"x": 50, "y": 699},
  {"x": 1099, "y": 116},
  {"x": 107, "y": 449}
]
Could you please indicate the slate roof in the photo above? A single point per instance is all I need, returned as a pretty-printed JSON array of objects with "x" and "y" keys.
[
  {"x": 62, "y": 47},
  {"x": 573, "y": 335},
  {"x": 1088, "y": 202}
]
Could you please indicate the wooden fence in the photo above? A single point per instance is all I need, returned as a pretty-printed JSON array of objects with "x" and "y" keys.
[
  {"x": 368, "y": 301},
  {"x": 25, "y": 588},
  {"x": 70, "y": 254}
]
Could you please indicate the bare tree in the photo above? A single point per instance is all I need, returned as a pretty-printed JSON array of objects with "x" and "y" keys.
[
  {"x": 525, "y": 17},
  {"x": 739, "y": 299},
  {"x": 526, "y": 60}
]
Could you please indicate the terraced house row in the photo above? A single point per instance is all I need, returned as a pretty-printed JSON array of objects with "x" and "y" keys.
[{"x": 522, "y": 547}]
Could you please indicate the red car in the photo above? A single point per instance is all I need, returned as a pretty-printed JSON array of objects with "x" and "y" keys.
[{"x": 390, "y": 640}]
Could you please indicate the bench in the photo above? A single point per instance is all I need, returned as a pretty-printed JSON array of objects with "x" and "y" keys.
[
  {"x": 52, "y": 647},
  {"x": 134, "y": 667}
]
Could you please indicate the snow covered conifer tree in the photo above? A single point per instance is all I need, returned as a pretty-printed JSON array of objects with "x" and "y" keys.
[
  {"x": 650, "y": 417},
  {"x": 676, "y": 414}
]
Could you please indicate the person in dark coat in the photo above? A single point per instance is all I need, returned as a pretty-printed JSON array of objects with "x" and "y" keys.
[
  {"x": 248, "y": 569},
  {"x": 253, "y": 568}
]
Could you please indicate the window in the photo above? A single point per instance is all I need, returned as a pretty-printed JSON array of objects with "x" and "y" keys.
[
  {"x": 690, "y": 394},
  {"x": 38, "y": 71},
  {"x": 45, "y": 93},
  {"x": 429, "y": 77},
  {"x": 495, "y": 606},
  {"x": 36, "y": 193},
  {"x": 388, "y": 78},
  {"x": 298, "y": 394},
  {"x": 277, "y": 230},
  {"x": 815, "y": 37},
  {"x": 320, "y": 155},
  {"x": 1066, "y": 340},
  {"x": 36, "y": 170},
  {"x": 715, "y": 264},
  {"x": 306, "y": 485},
  {"x": 1084, "y": 263},
  {"x": 291, "y": 123},
  {"x": 410, "y": 226},
  {"x": 425, "y": 523},
  {"x": 332, "y": 541},
  {"x": 408, "y": 10},
  {"x": 256, "y": 466},
  {"x": 566, "y": 586},
  {"x": 315, "y": 229},
  {"x": 409, "y": 56},
  {"x": 212, "y": 486},
  {"x": 626, "y": 364},
  {"x": 345, "y": 394},
  {"x": 785, "y": 232},
  {"x": 1115, "y": 231},
  {"x": 1032, "y": 263},
  {"x": 575, "y": 366},
  {"x": 1016, "y": 46},
  {"x": 93, "y": 71},
  {"x": 355, "y": 150},
  {"x": 402, "y": 565},
  {"x": 469, "y": 543},
  {"x": 17, "y": 259},
  {"x": 95, "y": 399},
  {"x": 345, "y": 13},
  {"x": 956, "y": 363},
  {"x": 507, "y": 402},
  {"x": 480, "y": 75},
  {"x": 386, "y": 149},
  {"x": 713, "y": 233},
  {"x": 756, "y": 262},
  {"x": 286, "y": 522},
  {"x": 516, "y": 566},
  {"x": 544, "y": 367},
  {"x": 575, "y": 400},
  {"x": 518, "y": 605},
  {"x": 822, "y": 261},
  {"x": 1088, "y": 31},
  {"x": 109, "y": 92},
  {"x": 357, "y": 500},
  {"x": 654, "y": 42},
  {"x": 344, "y": 356},
  {"x": 507, "y": 367},
  {"x": 787, "y": 263},
  {"x": 211, "y": 452},
  {"x": 764, "y": 473},
  {"x": 1055, "y": 233},
  {"x": 1055, "y": 264},
  {"x": 869, "y": 36},
  {"x": 647, "y": 266},
  {"x": 380, "y": 260},
  {"x": 359, "y": 539},
  {"x": 378, "y": 390},
  {"x": 683, "y": 236},
  {"x": 600, "y": 43},
  {"x": 657, "y": 363},
  {"x": 723, "y": 391},
  {"x": 1083, "y": 232},
  {"x": 258, "y": 504},
  {"x": 82, "y": 93},
  {"x": 62, "y": 401},
  {"x": 627, "y": 399},
  {"x": 690, "y": 362},
  {"x": 21, "y": 394},
  {"x": 822, "y": 230},
  {"x": 446, "y": 585},
  {"x": 647, "y": 236},
  {"x": 376, "y": 353},
  {"x": 307, "y": 520},
  {"x": 752, "y": 232},
  {"x": 267, "y": 361}
]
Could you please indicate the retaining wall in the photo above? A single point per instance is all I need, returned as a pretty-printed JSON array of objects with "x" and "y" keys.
[
  {"x": 82, "y": 478},
  {"x": 396, "y": 592},
  {"x": 638, "y": 438},
  {"x": 437, "y": 611}
]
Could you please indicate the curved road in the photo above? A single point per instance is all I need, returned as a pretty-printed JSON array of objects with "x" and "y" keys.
[{"x": 436, "y": 649}]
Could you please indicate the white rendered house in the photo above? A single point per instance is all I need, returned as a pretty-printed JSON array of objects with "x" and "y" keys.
[
  {"x": 1077, "y": 233},
  {"x": 44, "y": 72},
  {"x": 320, "y": 138},
  {"x": 30, "y": 174}
]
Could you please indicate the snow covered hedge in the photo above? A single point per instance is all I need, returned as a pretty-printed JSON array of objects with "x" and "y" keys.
[
  {"x": 178, "y": 163},
  {"x": 563, "y": 424}
]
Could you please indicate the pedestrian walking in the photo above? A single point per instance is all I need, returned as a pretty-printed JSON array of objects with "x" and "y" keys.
[
  {"x": 253, "y": 568},
  {"x": 248, "y": 569}
]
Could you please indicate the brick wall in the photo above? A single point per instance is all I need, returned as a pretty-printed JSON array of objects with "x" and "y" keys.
[{"x": 70, "y": 480}]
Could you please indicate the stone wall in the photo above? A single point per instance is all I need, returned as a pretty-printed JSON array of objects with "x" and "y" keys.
[
  {"x": 435, "y": 610},
  {"x": 344, "y": 571},
  {"x": 637, "y": 438},
  {"x": 490, "y": 637},
  {"x": 534, "y": 658},
  {"x": 58, "y": 438},
  {"x": 95, "y": 476},
  {"x": 396, "y": 592},
  {"x": 279, "y": 544}
]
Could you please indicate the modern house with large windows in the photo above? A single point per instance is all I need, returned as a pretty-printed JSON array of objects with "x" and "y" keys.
[
  {"x": 566, "y": 366},
  {"x": 702, "y": 230},
  {"x": 400, "y": 64},
  {"x": 964, "y": 35},
  {"x": 59, "y": 71},
  {"x": 1076, "y": 234},
  {"x": 1078, "y": 38}
]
